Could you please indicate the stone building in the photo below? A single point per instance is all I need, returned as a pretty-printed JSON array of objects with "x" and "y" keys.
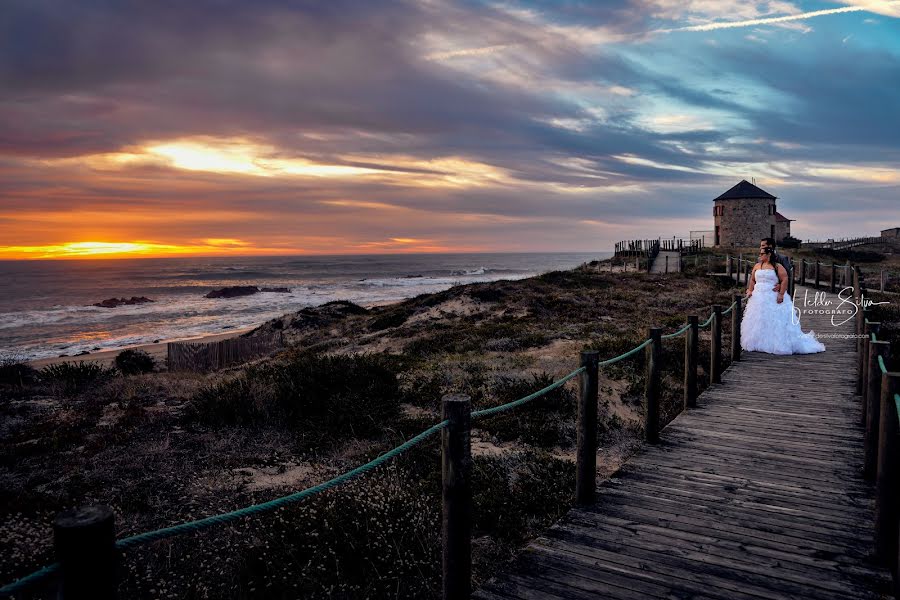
[
  {"x": 745, "y": 214},
  {"x": 893, "y": 232}
]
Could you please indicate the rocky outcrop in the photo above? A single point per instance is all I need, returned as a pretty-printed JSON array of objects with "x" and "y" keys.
[
  {"x": 114, "y": 302},
  {"x": 234, "y": 291},
  {"x": 277, "y": 290}
]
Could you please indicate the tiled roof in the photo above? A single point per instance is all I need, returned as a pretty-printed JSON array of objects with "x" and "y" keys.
[{"x": 745, "y": 189}]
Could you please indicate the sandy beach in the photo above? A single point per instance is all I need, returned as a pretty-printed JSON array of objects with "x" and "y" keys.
[{"x": 157, "y": 350}]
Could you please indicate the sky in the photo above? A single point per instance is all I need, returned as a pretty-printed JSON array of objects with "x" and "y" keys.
[{"x": 217, "y": 127}]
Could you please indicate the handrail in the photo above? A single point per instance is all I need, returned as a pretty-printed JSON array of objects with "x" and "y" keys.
[{"x": 201, "y": 524}]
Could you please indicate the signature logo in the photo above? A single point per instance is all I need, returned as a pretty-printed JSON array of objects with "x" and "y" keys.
[{"x": 848, "y": 305}]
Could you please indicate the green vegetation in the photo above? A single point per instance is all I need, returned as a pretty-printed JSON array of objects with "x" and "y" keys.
[
  {"x": 73, "y": 379},
  {"x": 134, "y": 362}
]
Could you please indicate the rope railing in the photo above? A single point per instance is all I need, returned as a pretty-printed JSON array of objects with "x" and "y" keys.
[
  {"x": 515, "y": 403},
  {"x": 878, "y": 388},
  {"x": 669, "y": 336},
  {"x": 205, "y": 523}
]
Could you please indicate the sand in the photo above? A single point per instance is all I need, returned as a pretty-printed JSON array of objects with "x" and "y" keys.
[{"x": 107, "y": 358}]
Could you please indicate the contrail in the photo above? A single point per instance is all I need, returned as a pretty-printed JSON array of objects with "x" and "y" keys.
[
  {"x": 467, "y": 52},
  {"x": 766, "y": 21}
]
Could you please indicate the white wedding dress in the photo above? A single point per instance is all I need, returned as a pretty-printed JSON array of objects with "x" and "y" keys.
[{"x": 768, "y": 326}]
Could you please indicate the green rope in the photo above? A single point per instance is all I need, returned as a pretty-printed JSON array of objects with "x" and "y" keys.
[
  {"x": 28, "y": 580},
  {"x": 627, "y": 354},
  {"x": 510, "y": 405},
  {"x": 881, "y": 364},
  {"x": 708, "y": 321},
  {"x": 874, "y": 339},
  {"x": 733, "y": 304},
  {"x": 201, "y": 524},
  {"x": 897, "y": 404},
  {"x": 677, "y": 333}
]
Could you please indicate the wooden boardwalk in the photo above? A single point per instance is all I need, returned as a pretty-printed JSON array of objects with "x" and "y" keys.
[
  {"x": 659, "y": 263},
  {"x": 756, "y": 494}
]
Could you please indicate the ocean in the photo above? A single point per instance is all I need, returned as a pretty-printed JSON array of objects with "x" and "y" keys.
[{"x": 46, "y": 306}]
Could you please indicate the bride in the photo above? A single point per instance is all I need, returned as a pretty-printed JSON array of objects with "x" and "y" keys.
[{"x": 769, "y": 323}]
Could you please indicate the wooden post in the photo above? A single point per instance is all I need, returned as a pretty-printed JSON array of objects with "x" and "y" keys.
[
  {"x": 860, "y": 353},
  {"x": 667, "y": 263},
  {"x": 456, "y": 458},
  {"x": 881, "y": 280},
  {"x": 691, "y": 352},
  {"x": 709, "y": 263},
  {"x": 803, "y": 271},
  {"x": 651, "y": 389},
  {"x": 833, "y": 278},
  {"x": 868, "y": 329},
  {"x": 817, "y": 274},
  {"x": 887, "y": 480},
  {"x": 746, "y": 273},
  {"x": 791, "y": 282},
  {"x": 586, "y": 457},
  {"x": 736, "y": 313},
  {"x": 873, "y": 409},
  {"x": 715, "y": 346},
  {"x": 84, "y": 539}
]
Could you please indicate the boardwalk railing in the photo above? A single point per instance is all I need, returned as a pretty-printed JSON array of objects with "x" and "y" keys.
[
  {"x": 646, "y": 247},
  {"x": 880, "y": 392},
  {"x": 843, "y": 243},
  {"x": 87, "y": 549},
  {"x": 206, "y": 356}
]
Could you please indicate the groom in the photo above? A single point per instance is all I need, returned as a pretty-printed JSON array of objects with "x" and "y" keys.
[{"x": 768, "y": 245}]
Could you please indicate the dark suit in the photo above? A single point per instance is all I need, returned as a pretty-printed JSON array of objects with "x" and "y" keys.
[{"x": 784, "y": 260}]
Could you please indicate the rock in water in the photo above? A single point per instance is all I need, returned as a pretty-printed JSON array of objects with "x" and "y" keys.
[
  {"x": 233, "y": 291},
  {"x": 114, "y": 302},
  {"x": 279, "y": 290}
]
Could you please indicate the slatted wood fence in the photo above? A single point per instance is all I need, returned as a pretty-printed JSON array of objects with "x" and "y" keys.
[{"x": 207, "y": 356}]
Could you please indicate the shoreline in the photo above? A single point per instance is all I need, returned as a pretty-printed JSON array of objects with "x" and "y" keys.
[{"x": 157, "y": 350}]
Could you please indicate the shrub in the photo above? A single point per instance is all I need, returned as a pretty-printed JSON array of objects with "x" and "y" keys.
[
  {"x": 134, "y": 362},
  {"x": 546, "y": 421},
  {"x": 488, "y": 293},
  {"x": 344, "y": 394},
  {"x": 72, "y": 379},
  {"x": 394, "y": 318},
  {"x": 16, "y": 373},
  {"x": 517, "y": 495}
]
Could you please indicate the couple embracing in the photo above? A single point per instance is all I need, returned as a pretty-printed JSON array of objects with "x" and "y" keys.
[{"x": 769, "y": 323}]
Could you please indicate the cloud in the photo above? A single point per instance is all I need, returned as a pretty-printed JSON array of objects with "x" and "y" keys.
[{"x": 351, "y": 125}]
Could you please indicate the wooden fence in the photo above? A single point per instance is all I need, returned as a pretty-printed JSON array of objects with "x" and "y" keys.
[
  {"x": 843, "y": 244},
  {"x": 188, "y": 356}
]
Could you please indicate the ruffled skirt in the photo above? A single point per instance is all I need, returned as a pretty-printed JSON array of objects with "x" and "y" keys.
[{"x": 768, "y": 326}]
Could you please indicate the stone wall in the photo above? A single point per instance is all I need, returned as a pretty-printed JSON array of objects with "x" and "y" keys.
[
  {"x": 894, "y": 232},
  {"x": 782, "y": 230},
  {"x": 744, "y": 222}
]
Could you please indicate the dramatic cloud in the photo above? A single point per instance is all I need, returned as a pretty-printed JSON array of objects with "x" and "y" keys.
[{"x": 231, "y": 127}]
